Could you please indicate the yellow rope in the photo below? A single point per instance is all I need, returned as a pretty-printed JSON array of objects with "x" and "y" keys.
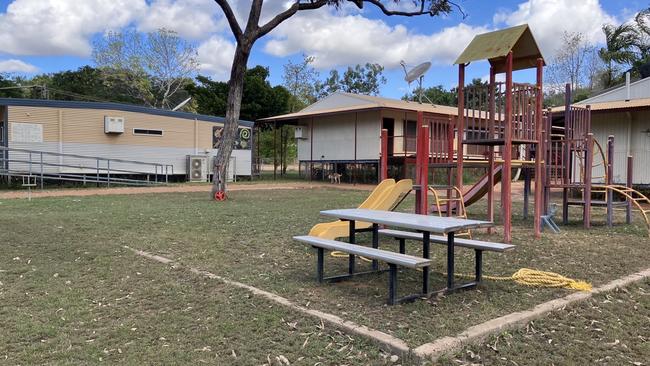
[
  {"x": 525, "y": 276},
  {"x": 536, "y": 278}
]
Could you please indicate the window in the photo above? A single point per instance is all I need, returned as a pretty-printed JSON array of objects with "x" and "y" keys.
[{"x": 147, "y": 132}]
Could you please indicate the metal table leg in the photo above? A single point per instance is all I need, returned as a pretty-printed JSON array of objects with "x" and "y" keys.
[
  {"x": 426, "y": 253},
  {"x": 450, "y": 260},
  {"x": 375, "y": 244},
  {"x": 352, "y": 240}
]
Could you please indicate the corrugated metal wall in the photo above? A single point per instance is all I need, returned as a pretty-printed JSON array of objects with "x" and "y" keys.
[
  {"x": 629, "y": 139},
  {"x": 333, "y": 137}
]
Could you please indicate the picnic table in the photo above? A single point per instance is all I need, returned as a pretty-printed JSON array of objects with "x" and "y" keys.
[{"x": 424, "y": 224}]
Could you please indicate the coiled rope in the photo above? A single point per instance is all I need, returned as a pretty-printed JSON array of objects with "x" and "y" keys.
[{"x": 524, "y": 276}]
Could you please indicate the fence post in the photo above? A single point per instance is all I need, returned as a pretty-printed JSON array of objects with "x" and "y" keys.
[
  {"x": 108, "y": 170},
  {"x": 41, "y": 170}
]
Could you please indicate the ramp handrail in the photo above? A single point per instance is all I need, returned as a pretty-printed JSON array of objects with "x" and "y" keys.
[{"x": 101, "y": 168}]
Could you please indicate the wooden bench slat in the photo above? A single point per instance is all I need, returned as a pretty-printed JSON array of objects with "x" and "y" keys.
[
  {"x": 403, "y": 260},
  {"x": 460, "y": 242}
]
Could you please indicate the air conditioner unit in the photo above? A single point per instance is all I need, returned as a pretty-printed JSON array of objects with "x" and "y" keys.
[
  {"x": 113, "y": 124},
  {"x": 197, "y": 168},
  {"x": 299, "y": 133}
]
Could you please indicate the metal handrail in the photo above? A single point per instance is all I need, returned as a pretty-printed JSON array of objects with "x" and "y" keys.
[{"x": 102, "y": 166}]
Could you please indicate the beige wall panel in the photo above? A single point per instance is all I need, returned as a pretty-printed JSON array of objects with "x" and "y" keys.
[{"x": 48, "y": 117}]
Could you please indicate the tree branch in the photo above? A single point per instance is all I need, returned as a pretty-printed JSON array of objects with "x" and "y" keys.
[
  {"x": 432, "y": 11},
  {"x": 232, "y": 19},
  {"x": 293, "y": 9}
]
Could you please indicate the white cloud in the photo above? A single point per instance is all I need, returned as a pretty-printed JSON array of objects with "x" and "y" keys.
[
  {"x": 192, "y": 19},
  {"x": 549, "y": 19},
  {"x": 215, "y": 57},
  {"x": 62, "y": 27},
  {"x": 18, "y": 66},
  {"x": 345, "y": 40}
]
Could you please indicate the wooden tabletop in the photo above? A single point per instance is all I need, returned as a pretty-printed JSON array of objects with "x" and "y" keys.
[{"x": 433, "y": 224}]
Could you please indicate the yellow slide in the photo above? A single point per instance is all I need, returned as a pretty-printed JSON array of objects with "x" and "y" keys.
[{"x": 384, "y": 197}]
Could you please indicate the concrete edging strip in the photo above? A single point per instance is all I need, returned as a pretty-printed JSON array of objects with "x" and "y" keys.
[
  {"x": 387, "y": 340},
  {"x": 444, "y": 345}
]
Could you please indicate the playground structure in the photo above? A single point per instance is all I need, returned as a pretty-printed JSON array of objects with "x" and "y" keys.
[{"x": 501, "y": 126}]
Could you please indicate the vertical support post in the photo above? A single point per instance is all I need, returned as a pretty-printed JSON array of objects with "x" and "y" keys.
[
  {"x": 384, "y": 155},
  {"x": 547, "y": 160},
  {"x": 526, "y": 173},
  {"x": 42, "y": 171},
  {"x": 426, "y": 253},
  {"x": 375, "y": 244},
  {"x": 478, "y": 265},
  {"x": 275, "y": 154},
  {"x": 311, "y": 149},
  {"x": 506, "y": 199},
  {"x": 421, "y": 165},
  {"x": 424, "y": 175},
  {"x": 351, "y": 240},
  {"x": 566, "y": 155},
  {"x": 392, "y": 284},
  {"x": 589, "y": 161},
  {"x": 539, "y": 151},
  {"x": 108, "y": 167},
  {"x": 460, "y": 126},
  {"x": 610, "y": 180},
  {"x": 320, "y": 264},
  {"x": 630, "y": 182},
  {"x": 492, "y": 166},
  {"x": 450, "y": 260}
]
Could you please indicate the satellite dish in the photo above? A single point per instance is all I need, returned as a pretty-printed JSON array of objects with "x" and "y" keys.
[{"x": 417, "y": 72}]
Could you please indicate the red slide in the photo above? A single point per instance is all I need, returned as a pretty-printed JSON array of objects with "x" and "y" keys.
[{"x": 477, "y": 191}]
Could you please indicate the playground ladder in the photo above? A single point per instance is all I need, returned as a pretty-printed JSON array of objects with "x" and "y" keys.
[{"x": 631, "y": 195}]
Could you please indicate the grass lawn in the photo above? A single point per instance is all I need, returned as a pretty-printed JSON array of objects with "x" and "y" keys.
[
  {"x": 77, "y": 298},
  {"x": 247, "y": 239},
  {"x": 609, "y": 329}
]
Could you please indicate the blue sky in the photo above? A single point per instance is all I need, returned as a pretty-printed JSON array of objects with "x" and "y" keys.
[{"x": 41, "y": 36}]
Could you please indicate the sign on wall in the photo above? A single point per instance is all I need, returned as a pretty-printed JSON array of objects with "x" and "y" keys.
[
  {"x": 242, "y": 139},
  {"x": 26, "y": 132}
]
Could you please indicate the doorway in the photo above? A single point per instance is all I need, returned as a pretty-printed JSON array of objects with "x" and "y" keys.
[{"x": 389, "y": 125}]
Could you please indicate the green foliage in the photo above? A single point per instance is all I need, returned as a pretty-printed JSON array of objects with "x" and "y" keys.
[
  {"x": 8, "y": 82},
  {"x": 300, "y": 80},
  {"x": 434, "y": 94},
  {"x": 359, "y": 80},
  {"x": 153, "y": 69},
  {"x": 259, "y": 100}
]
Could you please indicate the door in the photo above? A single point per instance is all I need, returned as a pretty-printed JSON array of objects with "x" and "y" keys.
[{"x": 389, "y": 124}]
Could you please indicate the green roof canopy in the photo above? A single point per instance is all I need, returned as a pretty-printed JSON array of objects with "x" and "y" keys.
[{"x": 494, "y": 47}]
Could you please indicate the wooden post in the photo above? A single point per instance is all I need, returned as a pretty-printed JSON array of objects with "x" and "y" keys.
[
  {"x": 506, "y": 198},
  {"x": 526, "y": 173},
  {"x": 589, "y": 161},
  {"x": 547, "y": 159},
  {"x": 491, "y": 165},
  {"x": 421, "y": 165},
  {"x": 384, "y": 155},
  {"x": 460, "y": 126},
  {"x": 424, "y": 175},
  {"x": 566, "y": 156},
  {"x": 539, "y": 151},
  {"x": 275, "y": 154},
  {"x": 630, "y": 182},
  {"x": 610, "y": 180}
]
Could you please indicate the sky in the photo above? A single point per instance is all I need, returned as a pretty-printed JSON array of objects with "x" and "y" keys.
[{"x": 44, "y": 36}]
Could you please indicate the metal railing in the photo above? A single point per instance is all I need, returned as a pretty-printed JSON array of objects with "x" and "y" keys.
[{"x": 46, "y": 165}]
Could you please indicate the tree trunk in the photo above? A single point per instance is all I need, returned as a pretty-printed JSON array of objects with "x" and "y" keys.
[{"x": 230, "y": 128}]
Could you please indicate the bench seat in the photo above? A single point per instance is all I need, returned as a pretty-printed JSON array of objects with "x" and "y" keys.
[
  {"x": 393, "y": 259},
  {"x": 402, "y": 260},
  {"x": 459, "y": 242}
]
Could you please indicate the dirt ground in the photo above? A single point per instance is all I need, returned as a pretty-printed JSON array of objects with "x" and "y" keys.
[{"x": 180, "y": 188}]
